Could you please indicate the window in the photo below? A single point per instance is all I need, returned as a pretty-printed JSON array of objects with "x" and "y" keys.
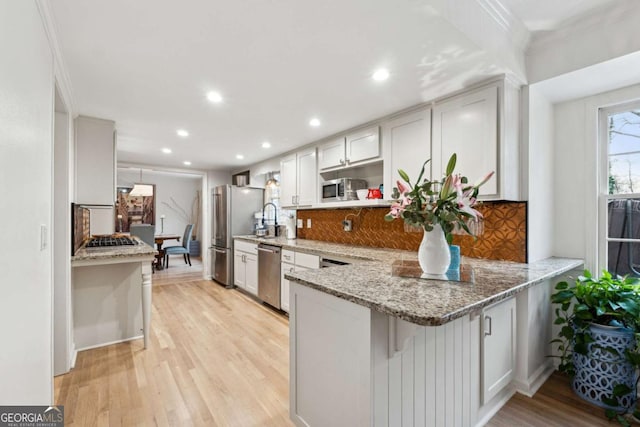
[{"x": 620, "y": 189}]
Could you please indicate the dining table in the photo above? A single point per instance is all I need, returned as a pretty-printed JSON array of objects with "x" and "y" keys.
[{"x": 160, "y": 239}]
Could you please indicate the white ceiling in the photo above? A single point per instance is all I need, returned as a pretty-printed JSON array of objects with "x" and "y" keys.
[
  {"x": 547, "y": 15},
  {"x": 148, "y": 64}
]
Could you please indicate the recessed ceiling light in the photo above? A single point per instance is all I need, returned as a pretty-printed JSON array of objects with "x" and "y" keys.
[
  {"x": 214, "y": 97},
  {"x": 183, "y": 133},
  {"x": 380, "y": 75},
  {"x": 187, "y": 163},
  {"x": 166, "y": 150},
  {"x": 314, "y": 122},
  {"x": 239, "y": 156},
  {"x": 266, "y": 144}
]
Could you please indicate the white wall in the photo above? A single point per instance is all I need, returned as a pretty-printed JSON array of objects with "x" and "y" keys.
[
  {"x": 605, "y": 35},
  {"x": 540, "y": 175},
  {"x": 26, "y": 114},
  {"x": 169, "y": 185},
  {"x": 576, "y": 173}
]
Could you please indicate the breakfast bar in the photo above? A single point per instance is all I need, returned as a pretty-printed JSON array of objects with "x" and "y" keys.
[
  {"x": 371, "y": 348},
  {"x": 112, "y": 294}
]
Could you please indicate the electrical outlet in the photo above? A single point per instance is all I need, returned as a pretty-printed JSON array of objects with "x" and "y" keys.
[
  {"x": 308, "y": 222},
  {"x": 347, "y": 225},
  {"x": 299, "y": 223}
]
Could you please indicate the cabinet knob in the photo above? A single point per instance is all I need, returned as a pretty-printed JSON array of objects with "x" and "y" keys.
[{"x": 341, "y": 162}]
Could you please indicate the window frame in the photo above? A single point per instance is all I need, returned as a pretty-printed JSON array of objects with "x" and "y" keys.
[{"x": 603, "y": 182}]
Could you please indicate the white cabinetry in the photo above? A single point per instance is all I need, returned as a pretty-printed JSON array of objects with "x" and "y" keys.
[
  {"x": 358, "y": 147},
  {"x": 331, "y": 154},
  {"x": 293, "y": 262},
  {"x": 407, "y": 145},
  {"x": 482, "y": 127},
  {"x": 298, "y": 175},
  {"x": 468, "y": 125},
  {"x": 498, "y": 348},
  {"x": 95, "y": 161},
  {"x": 245, "y": 266}
]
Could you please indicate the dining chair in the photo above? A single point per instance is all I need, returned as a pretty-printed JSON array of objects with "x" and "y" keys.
[
  {"x": 177, "y": 250},
  {"x": 144, "y": 232}
]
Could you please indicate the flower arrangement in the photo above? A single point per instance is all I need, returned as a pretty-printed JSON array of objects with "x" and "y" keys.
[{"x": 448, "y": 202}]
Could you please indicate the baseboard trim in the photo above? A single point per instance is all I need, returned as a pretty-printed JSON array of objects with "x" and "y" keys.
[
  {"x": 74, "y": 357},
  {"x": 139, "y": 337},
  {"x": 535, "y": 381}
]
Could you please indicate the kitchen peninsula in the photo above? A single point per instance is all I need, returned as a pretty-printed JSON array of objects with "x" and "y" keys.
[
  {"x": 368, "y": 348},
  {"x": 112, "y": 294}
]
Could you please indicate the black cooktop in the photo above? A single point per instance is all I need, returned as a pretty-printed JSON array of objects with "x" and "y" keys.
[{"x": 105, "y": 241}]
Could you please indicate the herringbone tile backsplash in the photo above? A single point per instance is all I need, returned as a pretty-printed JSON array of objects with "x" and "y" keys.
[{"x": 504, "y": 237}]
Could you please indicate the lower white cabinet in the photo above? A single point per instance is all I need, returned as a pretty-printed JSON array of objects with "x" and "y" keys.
[
  {"x": 498, "y": 348},
  {"x": 292, "y": 262},
  {"x": 245, "y": 270}
]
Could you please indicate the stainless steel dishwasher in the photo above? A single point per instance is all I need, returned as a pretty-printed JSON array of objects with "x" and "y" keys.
[{"x": 269, "y": 274}]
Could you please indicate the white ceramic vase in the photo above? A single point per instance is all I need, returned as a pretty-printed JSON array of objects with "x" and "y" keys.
[{"x": 434, "y": 255}]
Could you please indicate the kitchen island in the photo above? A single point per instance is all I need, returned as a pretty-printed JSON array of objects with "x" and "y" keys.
[
  {"x": 111, "y": 294},
  {"x": 368, "y": 348}
]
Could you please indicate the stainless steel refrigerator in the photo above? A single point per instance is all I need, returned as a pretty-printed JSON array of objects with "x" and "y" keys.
[{"x": 233, "y": 215}]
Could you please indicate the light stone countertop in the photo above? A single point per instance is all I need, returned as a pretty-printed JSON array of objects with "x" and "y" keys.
[
  {"x": 139, "y": 252},
  {"x": 368, "y": 281}
]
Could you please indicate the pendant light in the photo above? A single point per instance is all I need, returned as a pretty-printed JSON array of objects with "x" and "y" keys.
[
  {"x": 271, "y": 180},
  {"x": 141, "y": 190}
]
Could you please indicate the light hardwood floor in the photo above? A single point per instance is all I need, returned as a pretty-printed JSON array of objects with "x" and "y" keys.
[
  {"x": 178, "y": 271},
  {"x": 219, "y": 358}
]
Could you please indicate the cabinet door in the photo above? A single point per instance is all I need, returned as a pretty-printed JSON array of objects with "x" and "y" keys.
[
  {"x": 288, "y": 180},
  {"x": 468, "y": 125},
  {"x": 95, "y": 161},
  {"x": 307, "y": 177},
  {"x": 363, "y": 145},
  {"x": 331, "y": 154},
  {"x": 407, "y": 145},
  {"x": 239, "y": 271},
  {"x": 498, "y": 347},
  {"x": 251, "y": 272},
  {"x": 284, "y": 286}
]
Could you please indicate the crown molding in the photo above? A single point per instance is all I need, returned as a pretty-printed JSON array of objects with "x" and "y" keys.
[
  {"x": 63, "y": 82},
  {"x": 510, "y": 23}
]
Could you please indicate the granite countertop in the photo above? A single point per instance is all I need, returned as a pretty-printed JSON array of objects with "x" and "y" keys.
[
  {"x": 355, "y": 253},
  {"x": 368, "y": 281},
  {"x": 141, "y": 251}
]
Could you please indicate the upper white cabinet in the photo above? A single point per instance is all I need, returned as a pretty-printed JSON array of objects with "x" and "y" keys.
[
  {"x": 299, "y": 177},
  {"x": 331, "y": 154},
  {"x": 95, "y": 161},
  {"x": 352, "y": 150},
  {"x": 468, "y": 125},
  {"x": 498, "y": 348},
  {"x": 407, "y": 145},
  {"x": 482, "y": 127}
]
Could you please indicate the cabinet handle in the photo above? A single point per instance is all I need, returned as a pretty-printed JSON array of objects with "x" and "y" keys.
[
  {"x": 291, "y": 270},
  {"x": 487, "y": 319}
]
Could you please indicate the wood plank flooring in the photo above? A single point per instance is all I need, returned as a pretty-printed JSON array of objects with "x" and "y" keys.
[
  {"x": 219, "y": 358},
  {"x": 178, "y": 272},
  {"x": 554, "y": 405}
]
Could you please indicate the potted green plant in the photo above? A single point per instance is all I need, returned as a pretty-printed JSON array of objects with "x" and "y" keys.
[{"x": 599, "y": 321}]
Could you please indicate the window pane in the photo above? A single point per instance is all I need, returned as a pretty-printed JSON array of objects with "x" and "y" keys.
[
  {"x": 624, "y": 152},
  {"x": 624, "y": 258},
  {"x": 624, "y": 222}
]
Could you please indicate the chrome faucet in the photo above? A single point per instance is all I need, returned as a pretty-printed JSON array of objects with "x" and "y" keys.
[{"x": 275, "y": 216}]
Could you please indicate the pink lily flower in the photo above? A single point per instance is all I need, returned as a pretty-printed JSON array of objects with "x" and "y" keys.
[
  {"x": 402, "y": 188},
  {"x": 486, "y": 178}
]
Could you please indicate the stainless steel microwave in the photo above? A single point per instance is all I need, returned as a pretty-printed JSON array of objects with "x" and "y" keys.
[{"x": 342, "y": 189}]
